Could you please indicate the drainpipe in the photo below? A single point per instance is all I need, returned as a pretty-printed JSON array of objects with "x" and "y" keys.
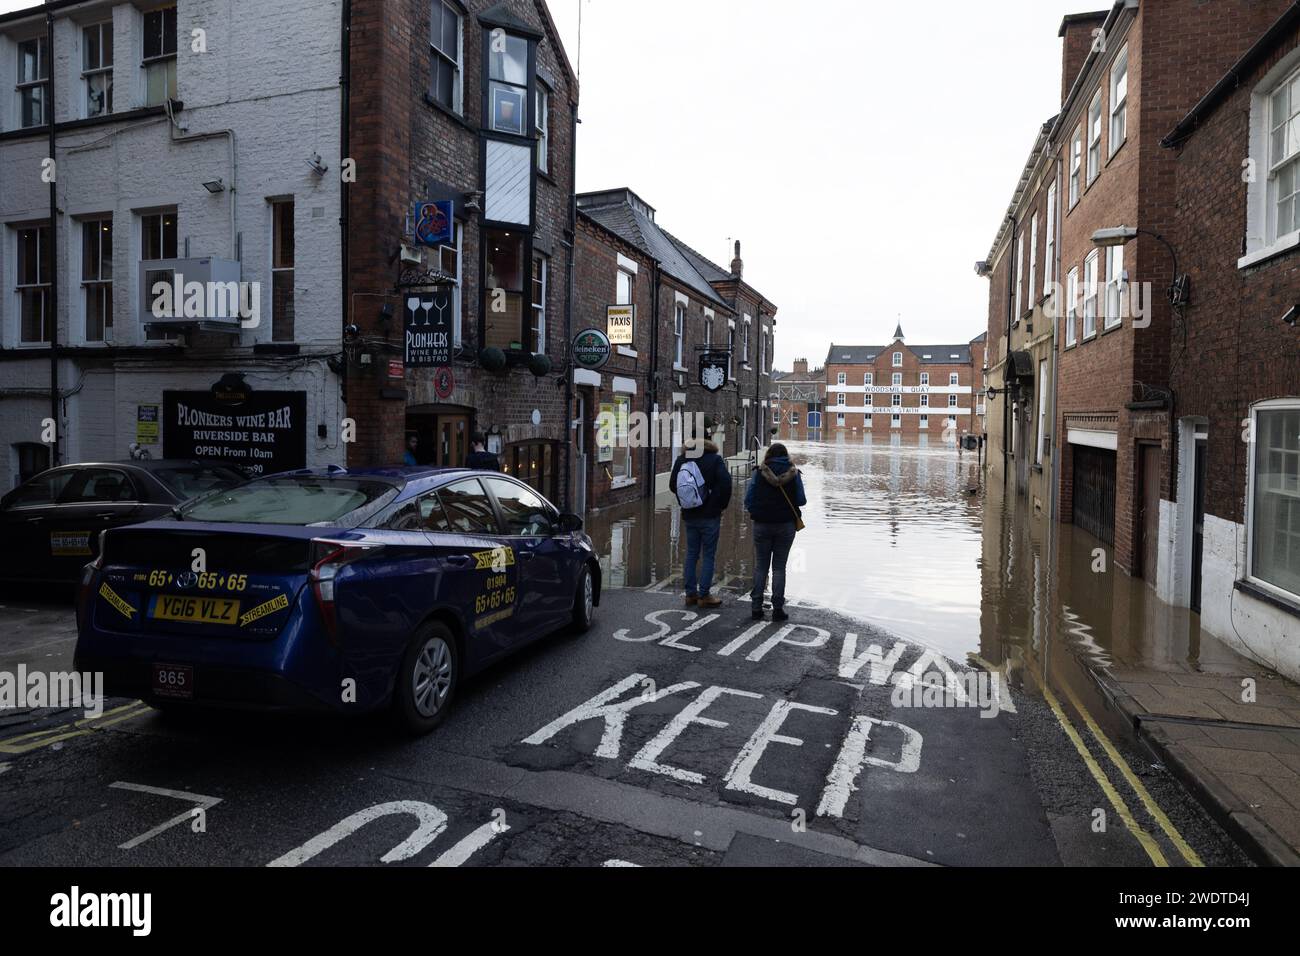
[
  {"x": 1054, "y": 497},
  {"x": 652, "y": 392},
  {"x": 568, "y": 310},
  {"x": 345, "y": 144},
  {"x": 53, "y": 251},
  {"x": 1012, "y": 278}
]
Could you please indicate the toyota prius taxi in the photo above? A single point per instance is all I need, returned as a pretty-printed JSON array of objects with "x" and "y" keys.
[{"x": 330, "y": 589}]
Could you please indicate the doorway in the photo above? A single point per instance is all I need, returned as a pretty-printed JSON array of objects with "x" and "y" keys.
[
  {"x": 1198, "y": 522},
  {"x": 1094, "y": 491},
  {"x": 1149, "y": 512},
  {"x": 443, "y": 433}
]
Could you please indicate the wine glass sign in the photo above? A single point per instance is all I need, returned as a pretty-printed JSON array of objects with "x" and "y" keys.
[{"x": 428, "y": 340}]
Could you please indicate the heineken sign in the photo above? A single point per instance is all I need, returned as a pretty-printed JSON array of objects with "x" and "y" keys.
[{"x": 591, "y": 349}]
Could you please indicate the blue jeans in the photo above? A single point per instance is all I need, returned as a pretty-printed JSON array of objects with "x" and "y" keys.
[
  {"x": 772, "y": 544},
  {"x": 702, "y": 547}
]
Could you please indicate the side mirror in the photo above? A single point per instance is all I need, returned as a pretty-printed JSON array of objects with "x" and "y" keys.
[{"x": 568, "y": 524}]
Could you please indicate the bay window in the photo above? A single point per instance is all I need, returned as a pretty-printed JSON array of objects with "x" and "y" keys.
[{"x": 507, "y": 83}]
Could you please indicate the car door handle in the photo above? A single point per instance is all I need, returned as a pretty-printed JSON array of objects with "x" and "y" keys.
[
  {"x": 106, "y": 515},
  {"x": 37, "y": 520},
  {"x": 460, "y": 560},
  {"x": 527, "y": 555}
]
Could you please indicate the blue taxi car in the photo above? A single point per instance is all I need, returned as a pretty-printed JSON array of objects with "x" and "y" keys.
[{"x": 344, "y": 590}]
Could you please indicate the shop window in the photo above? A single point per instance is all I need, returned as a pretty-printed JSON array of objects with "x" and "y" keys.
[{"x": 536, "y": 464}]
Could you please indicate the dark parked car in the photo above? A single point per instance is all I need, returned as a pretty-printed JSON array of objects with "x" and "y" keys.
[
  {"x": 330, "y": 589},
  {"x": 50, "y": 525}
]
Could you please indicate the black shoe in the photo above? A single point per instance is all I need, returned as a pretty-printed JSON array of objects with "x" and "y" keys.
[
  {"x": 778, "y": 614},
  {"x": 757, "y": 614}
]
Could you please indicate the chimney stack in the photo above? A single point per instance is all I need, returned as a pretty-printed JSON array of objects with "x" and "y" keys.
[
  {"x": 1078, "y": 35},
  {"x": 800, "y": 368},
  {"x": 737, "y": 264}
]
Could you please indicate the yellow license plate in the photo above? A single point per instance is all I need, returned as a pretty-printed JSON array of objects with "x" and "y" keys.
[{"x": 195, "y": 610}]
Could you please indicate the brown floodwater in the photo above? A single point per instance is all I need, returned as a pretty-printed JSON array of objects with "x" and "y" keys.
[{"x": 910, "y": 537}]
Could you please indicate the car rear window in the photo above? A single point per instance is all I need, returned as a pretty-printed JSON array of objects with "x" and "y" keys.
[
  {"x": 305, "y": 500},
  {"x": 190, "y": 481}
]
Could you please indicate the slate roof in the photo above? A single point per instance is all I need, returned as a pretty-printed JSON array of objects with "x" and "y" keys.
[{"x": 637, "y": 228}]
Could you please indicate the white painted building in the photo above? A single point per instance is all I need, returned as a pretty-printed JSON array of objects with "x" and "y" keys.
[{"x": 184, "y": 132}]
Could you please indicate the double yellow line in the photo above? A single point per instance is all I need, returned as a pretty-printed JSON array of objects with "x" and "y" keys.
[
  {"x": 1148, "y": 842},
  {"x": 26, "y": 743}
]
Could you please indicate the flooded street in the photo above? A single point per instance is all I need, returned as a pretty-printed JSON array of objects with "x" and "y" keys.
[{"x": 911, "y": 539}]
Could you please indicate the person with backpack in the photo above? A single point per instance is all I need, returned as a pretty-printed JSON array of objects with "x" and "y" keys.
[
  {"x": 702, "y": 483},
  {"x": 773, "y": 499}
]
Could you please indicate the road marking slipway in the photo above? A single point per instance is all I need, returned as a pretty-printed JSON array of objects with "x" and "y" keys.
[
  {"x": 199, "y": 800},
  {"x": 26, "y": 743}
]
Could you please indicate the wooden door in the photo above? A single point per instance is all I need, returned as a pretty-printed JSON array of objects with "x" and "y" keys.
[{"x": 453, "y": 441}]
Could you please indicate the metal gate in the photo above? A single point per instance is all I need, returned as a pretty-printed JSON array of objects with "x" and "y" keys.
[{"x": 1094, "y": 492}]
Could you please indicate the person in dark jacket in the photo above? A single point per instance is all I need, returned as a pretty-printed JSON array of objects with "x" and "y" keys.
[
  {"x": 773, "y": 499},
  {"x": 703, "y": 523},
  {"x": 480, "y": 459}
]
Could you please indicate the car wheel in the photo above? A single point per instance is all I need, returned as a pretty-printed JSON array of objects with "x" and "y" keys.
[
  {"x": 426, "y": 679},
  {"x": 584, "y": 602}
]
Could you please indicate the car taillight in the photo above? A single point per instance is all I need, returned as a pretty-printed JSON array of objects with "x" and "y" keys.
[
  {"x": 85, "y": 588},
  {"x": 331, "y": 558}
]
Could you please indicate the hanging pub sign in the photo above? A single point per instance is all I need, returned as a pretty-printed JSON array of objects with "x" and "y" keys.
[
  {"x": 592, "y": 349},
  {"x": 713, "y": 369},
  {"x": 434, "y": 223},
  {"x": 620, "y": 320},
  {"x": 428, "y": 328},
  {"x": 264, "y": 433}
]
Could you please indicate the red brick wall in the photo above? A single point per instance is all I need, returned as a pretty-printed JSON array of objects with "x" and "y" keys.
[
  {"x": 1238, "y": 351},
  {"x": 1076, "y": 43},
  {"x": 402, "y": 144},
  {"x": 859, "y": 424}
]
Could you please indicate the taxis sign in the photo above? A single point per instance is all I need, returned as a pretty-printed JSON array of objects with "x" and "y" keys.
[{"x": 620, "y": 321}]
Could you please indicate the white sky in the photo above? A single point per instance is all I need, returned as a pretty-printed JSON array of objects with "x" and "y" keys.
[{"x": 864, "y": 152}]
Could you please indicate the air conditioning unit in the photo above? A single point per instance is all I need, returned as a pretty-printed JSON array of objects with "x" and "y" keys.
[{"x": 209, "y": 293}]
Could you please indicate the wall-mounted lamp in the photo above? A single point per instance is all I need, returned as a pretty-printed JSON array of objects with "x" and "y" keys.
[
  {"x": 215, "y": 186},
  {"x": 317, "y": 164},
  {"x": 1180, "y": 289},
  {"x": 386, "y": 313},
  {"x": 1292, "y": 315}
]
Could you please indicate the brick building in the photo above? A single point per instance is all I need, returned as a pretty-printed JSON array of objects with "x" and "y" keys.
[
  {"x": 474, "y": 103},
  {"x": 800, "y": 398},
  {"x": 1022, "y": 335},
  {"x": 684, "y": 303},
  {"x": 902, "y": 389},
  {"x": 1128, "y": 74},
  {"x": 1230, "y": 520}
]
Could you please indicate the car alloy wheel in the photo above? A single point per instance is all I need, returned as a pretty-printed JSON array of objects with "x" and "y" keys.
[{"x": 431, "y": 678}]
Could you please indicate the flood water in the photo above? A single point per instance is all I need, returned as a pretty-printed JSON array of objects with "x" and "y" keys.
[{"x": 911, "y": 538}]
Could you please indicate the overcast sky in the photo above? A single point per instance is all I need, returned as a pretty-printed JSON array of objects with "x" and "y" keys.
[{"x": 863, "y": 152}]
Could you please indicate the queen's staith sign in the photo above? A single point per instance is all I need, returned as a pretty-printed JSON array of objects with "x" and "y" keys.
[{"x": 265, "y": 433}]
